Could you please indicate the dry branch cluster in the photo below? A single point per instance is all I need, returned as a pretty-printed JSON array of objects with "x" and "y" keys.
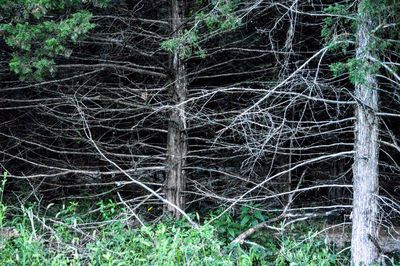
[{"x": 262, "y": 116}]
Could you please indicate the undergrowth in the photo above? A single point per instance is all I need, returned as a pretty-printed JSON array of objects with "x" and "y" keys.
[
  {"x": 67, "y": 242},
  {"x": 83, "y": 233}
]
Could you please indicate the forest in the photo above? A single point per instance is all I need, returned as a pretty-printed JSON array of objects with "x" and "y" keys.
[{"x": 200, "y": 132}]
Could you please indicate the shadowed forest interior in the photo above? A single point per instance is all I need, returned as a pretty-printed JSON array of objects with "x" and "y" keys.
[{"x": 199, "y": 132}]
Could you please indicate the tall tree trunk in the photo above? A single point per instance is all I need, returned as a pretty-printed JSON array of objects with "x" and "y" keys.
[
  {"x": 365, "y": 169},
  {"x": 176, "y": 141}
]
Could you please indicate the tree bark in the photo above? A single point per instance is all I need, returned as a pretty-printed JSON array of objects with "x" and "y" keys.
[
  {"x": 176, "y": 141},
  {"x": 364, "y": 250}
]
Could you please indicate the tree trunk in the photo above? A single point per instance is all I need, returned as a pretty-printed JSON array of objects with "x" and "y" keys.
[
  {"x": 365, "y": 169},
  {"x": 176, "y": 141}
]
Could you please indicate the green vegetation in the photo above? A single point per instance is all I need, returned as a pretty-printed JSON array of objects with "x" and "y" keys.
[
  {"x": 76, "y": 233},
  {"x": 219, "y": 17},
  {"x": 37, "y": 36},
  {"x": 70, "y": 234},
  {"x": 339, "y": 30}
]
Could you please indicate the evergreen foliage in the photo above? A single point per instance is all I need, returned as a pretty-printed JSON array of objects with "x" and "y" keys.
[
  {"x": 39, "y": 31},
  {"x": 339, "y": 33},
  {"x": 217, "y": 17}
]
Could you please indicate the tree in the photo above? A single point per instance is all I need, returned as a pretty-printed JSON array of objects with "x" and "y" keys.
[
  {"x": 190, "y": 28},
  {"x": 177, "y": 144},
  {"x": 373, "y": 23},
  {"x": 364, "y": 250}
]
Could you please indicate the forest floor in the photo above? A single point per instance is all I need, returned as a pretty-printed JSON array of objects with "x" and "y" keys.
[
  {"x": 108, "y": 232},
  {"x": 72, "y": 234}
]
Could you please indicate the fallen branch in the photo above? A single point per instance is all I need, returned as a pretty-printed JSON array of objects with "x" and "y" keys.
[
  {"x": 243, "y": 236},
  {"x": 267, "y": 224}
]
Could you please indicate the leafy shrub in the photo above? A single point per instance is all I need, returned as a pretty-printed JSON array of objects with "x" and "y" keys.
[
  {"x": 166, "y": 243},
  {"x": 305, "y": 252},
  {"x": 229, "y": 226}
]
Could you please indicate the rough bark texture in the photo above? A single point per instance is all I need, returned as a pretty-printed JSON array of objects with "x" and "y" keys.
[
  {"x": 340, "y": 237},
  {"x": 176, "y": 141},
  {"x": 365, "y": 169}
]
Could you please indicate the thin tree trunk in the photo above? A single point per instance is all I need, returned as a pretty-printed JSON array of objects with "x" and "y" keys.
[
  {"x": 176, "y": 141},
  {"x": 365, "y": 169}
]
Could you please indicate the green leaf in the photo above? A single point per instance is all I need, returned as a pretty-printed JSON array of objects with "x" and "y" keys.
[{"x": 245, "y": 220}]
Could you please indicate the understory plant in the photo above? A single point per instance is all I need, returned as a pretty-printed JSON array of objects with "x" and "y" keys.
[{"x": 68, "y": 235}]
